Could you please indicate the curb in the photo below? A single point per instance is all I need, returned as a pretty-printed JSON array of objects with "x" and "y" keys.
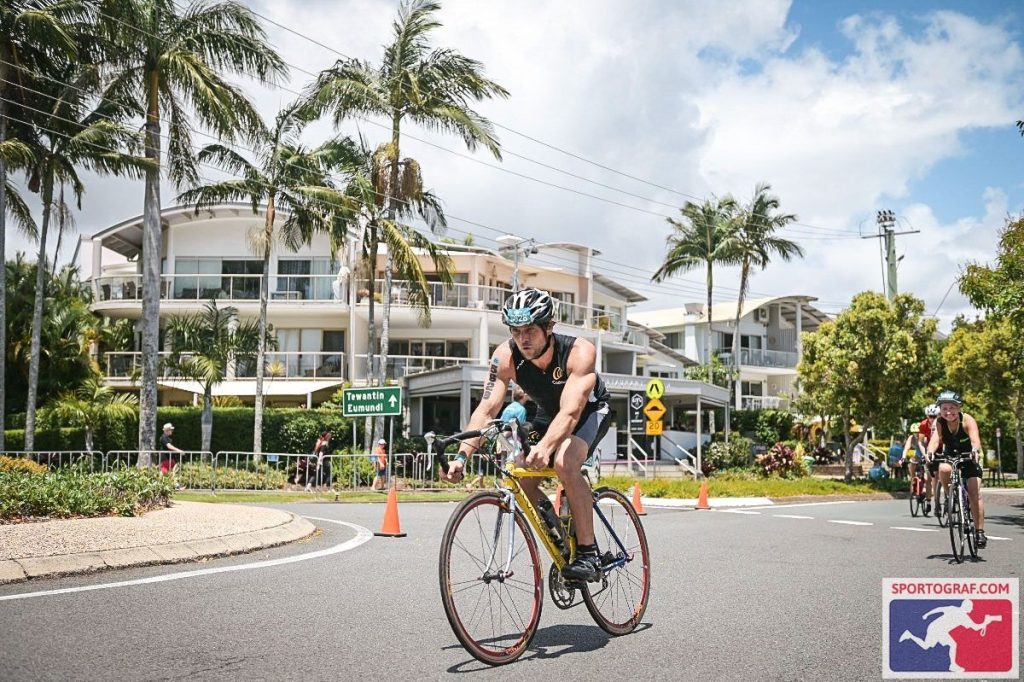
[{"x": 20, "y": 570}]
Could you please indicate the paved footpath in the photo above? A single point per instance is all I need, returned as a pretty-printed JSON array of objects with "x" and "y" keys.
[{"x": 185, "y": 531}]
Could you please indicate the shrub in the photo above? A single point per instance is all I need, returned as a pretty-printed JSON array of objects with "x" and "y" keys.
[
  {"x": 49, "y": 439},
  {"x": 732, "y": 455},
  {"x": 781, "y": 460},
  {"x": 773, "y": 426},
  {"x": 248, "y": 477},
  {"x": 825, "y": 455},
  {"x": 22, "y": 465},
  {"x": 68, "y": 492}
]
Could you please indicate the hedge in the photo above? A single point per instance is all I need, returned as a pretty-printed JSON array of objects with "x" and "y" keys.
[
  {"x": 284, "y": 430},
  {"x": 68, "y": 492}
]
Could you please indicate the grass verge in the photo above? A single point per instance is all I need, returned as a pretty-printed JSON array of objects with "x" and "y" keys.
[
  {"x": 256, "y": 497},
  {"x": 743, "y": 485}
]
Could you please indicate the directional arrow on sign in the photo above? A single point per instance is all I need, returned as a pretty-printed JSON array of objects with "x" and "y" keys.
[
  {"x": 392, "y": 401},
  {"x": 655, "y": 410}
]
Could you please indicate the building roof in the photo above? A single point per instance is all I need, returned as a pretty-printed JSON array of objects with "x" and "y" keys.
[
  {"x": 627, "y": 293},
  {"x": 247, "y": 387},
  {"x": 726, "y": 312}
]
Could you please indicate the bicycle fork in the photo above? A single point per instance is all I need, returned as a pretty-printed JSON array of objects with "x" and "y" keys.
[{"x": 491, "y": 571}]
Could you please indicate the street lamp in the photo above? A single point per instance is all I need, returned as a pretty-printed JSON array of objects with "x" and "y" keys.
[{"x": 519, "y": 245}]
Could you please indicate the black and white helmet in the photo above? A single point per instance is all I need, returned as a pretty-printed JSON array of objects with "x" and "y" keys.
[
  {"x": 949, "y": 396},
  {"x": 932, "y": 410},
  {"x": 526, "y": 307}
]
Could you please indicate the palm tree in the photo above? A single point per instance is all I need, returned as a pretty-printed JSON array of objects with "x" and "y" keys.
[
  {"x": 90, "y": 404},
  {"x": 700, "y": 238},
  {"x": 288, "y": 177},
  {"x": 366, "y": 188},
  {"x": 753, "y": 242},
  {"x": 174, "y": 61},
  {"x": 204, "y": 346},
  {"x": 33, "y": 35},
  {"x": 430, "y": 87},
  {"x": 66, "y": 135}
]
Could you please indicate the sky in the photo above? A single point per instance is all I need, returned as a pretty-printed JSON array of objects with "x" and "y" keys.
[{"x": 844, "y": 108}]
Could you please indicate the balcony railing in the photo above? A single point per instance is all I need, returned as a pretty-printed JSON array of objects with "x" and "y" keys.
[
  {"x": 280, "y": 365},
  {"x": 763, "y": 402},
  {"x": 222, "y": 287},
  {"x": 755, "y": 357},
  {"x": 404, "y": 365}
]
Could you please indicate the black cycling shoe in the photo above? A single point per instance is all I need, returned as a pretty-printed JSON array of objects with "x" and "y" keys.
[
  {"x": 982, "y": 540},
  {"x": 586, "y": 568}
]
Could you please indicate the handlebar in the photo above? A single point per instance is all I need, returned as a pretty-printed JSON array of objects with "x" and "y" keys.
[{"x": 443, "y": 443}]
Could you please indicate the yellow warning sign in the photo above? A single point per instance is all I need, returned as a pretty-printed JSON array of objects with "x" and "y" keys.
[
  {"x": 655, "y": 389},
  {"x": 654, "y": 410},
  {"x": 655, "y": 428}
]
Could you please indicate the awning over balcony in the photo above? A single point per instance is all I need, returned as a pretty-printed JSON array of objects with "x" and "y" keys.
[{"x": 247, "y": 388}]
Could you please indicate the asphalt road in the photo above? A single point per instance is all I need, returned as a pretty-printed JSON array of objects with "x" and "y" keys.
[{"x": 735, "y": 596}]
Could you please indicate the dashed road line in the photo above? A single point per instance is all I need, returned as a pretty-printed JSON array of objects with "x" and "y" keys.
[
  {"x": 851, "y": 523},
  {"x": 737, "y": 511},
  {"x": 996, "y": 537},
  {"x": 915, "y": 530},
  {"x": 805, "y": 504},
  {"x": 363, "y": 535},
  {"x": 791, "y": 516}
]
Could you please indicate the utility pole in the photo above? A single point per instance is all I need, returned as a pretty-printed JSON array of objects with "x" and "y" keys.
[
  {"x": 887, "y": 230},
  {"x": 519, "y": 246}
]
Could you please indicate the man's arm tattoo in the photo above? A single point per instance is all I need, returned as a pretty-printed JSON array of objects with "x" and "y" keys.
[{"x": 492, "y": 376}]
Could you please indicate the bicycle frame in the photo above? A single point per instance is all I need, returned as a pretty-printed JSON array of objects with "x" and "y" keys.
[{"x": 516, "y": 498}]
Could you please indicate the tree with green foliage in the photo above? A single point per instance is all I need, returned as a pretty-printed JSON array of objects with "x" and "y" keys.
[
  {"x": 34, "y": 35},
  {"x": 204, "y": 348},
  {"x": 69, "y": 130},
  {"x": 172, "y": 62},
  {"x": 92, "y": 403},
  {"x": 701, "y": 238},
  {"x": 287, "y": 177},
  {"x": 985, "y": 362},
  {"x": 867, "y": 363},
  {"x": 431, "y": 87}
]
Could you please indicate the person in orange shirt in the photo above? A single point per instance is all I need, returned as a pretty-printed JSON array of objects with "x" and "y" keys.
[{"x": 381, "y": 465}]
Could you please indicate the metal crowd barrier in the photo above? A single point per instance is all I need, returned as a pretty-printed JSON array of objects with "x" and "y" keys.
[{"x": 54, "y": 459}]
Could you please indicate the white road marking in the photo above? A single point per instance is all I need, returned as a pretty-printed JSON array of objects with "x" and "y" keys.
[
  {"x": 996, "y": 537},
  {"x": 363, "y": 535},
  {"x": 851, "y": 523},
  {"x": 791, "y": 516},
  {"x": 806, "y": 504},
  {"x": 916, "y": 530},
  {"x": 735, "y": 511}
]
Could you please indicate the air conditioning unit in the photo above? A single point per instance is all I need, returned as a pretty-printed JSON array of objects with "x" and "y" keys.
[{"x": 761, "y": 315}]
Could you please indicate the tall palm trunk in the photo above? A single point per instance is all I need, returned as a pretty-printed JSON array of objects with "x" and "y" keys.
[
  {"x": 268, "y": 233},
  {"x": 37, "y": 316},
  {"x": 1020, "y": 445},
  {"x": 150, "y": 275},
  {"x": 707, "y": 339},
  {"x": 3, "y": 259},
  {"x": 734, "y": 375},
  {"x": 206, "y": 422},
  {"x": 371, "y": 326},
  {"x": 389, "y": 262},
  {"x": 61, "y": 226}
]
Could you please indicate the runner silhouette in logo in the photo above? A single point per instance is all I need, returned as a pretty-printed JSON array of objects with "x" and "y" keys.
[{"x": 950, "y": 619}]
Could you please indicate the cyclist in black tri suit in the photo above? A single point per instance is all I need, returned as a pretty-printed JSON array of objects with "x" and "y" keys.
[
  {"x": 958, "y": 436},
  {"x": 558, "y": 373}
]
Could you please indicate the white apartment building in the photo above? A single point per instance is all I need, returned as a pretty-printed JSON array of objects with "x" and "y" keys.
[
  {"x": 319, "y": 311},
  {"x": 769, "y": 329}
]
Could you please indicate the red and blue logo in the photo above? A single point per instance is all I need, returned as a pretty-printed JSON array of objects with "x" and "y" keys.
[{"x": 951, "y": 628}]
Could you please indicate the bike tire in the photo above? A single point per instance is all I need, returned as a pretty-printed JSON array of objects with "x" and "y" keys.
[
  {"x": 956, "y": 526},
  {"x": 502, "y": 632},
  {"x": 972, "y": 541},
  {"x": 915, "y": 500},
  {"x": 617, "y": 604}
]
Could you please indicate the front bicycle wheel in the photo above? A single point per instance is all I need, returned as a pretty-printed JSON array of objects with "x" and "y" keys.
[
  {"x": 491, "y": 585},
  {"x": 969, "y": 529},
  {"x": 618, "y": 602},
  {"x": 915, "y": 497},
  {"x": 956, "y": 525}
]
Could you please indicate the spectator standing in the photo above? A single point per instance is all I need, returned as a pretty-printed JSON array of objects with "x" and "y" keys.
[
  {"x": 167, "y": 448},
  {"x": 381, "y": 465},
  {"x": 321, "y": 460},
  {"x": 896, "y": 458}
]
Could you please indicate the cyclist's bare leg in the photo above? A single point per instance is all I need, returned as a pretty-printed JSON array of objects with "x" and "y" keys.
[
  {"x": 531, "y": 486},
  {"x": 977, "y": 506},
  {"x": 913, "y": 470},
  {"x": 945, "y": 471},
  {"x": 568, "y": 463}
]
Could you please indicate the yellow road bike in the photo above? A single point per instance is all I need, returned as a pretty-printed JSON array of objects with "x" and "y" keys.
[{"x": 491, "y": 573}]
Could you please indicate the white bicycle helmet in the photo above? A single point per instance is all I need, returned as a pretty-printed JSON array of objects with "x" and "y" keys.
[
  {"x": 932, "y": 410},
  {"x": 526, "y": 307}
]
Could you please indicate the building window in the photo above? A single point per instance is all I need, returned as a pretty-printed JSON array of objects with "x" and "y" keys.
[
  {"x": 206, "y": 278},
  {"x": 674, "y": 340},
  {"x": 752, "y": 388},
  {"x": 307, "y": 279}
]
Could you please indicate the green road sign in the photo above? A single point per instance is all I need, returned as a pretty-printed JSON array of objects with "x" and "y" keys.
[{"x": 378, "y": 401}]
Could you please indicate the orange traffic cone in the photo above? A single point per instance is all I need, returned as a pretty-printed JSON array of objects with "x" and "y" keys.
[
  {"x": 390, "y": 528},
  {"x": 702, "y": 499},
  {"x": 638, "y": 506},
  {"x": 558, "y": 500}
]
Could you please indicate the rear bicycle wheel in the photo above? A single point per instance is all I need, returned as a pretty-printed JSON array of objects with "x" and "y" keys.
[
  {"x": 941, "y": 506},
  {"x": 969, "y": 529},
  {"x": 492, "y": 592},
  {"x": 915, "y": 497},
  {"x": 956, "y": 525},
  {"x": 618, "y": 602}
]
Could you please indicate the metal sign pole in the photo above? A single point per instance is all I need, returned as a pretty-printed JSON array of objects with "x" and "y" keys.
[{"x": 391, "y": 450}]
